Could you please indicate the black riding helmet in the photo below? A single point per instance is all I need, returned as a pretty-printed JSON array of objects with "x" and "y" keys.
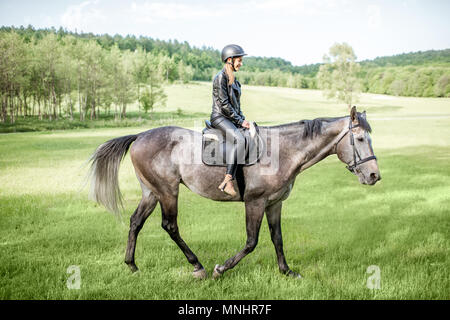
[{"x": 231, "y": 51}]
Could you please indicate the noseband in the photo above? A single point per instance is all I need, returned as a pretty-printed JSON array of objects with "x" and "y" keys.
[{"x": 356, "y": 163}]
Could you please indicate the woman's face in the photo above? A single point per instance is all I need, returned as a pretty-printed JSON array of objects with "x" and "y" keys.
[{"x": 237, "y": 63}]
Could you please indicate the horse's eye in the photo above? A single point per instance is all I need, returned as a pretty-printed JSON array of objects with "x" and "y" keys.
[{"x": 360, "y": 139}]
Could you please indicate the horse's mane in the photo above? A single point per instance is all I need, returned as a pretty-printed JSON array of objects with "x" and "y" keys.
[{"x": 313, "y": 127}]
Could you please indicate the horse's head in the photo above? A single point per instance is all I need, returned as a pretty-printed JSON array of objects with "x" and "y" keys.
[{"x": 355, "y": 149}]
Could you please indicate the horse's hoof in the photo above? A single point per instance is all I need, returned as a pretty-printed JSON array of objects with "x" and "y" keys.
[
  {"x": 216, "y": 272},
  {"x": 133, "y": 267},
  {"x": 136, "y": 273},
  {"x": 294, "y": 275},
  {"x": 200, "y": 274}
]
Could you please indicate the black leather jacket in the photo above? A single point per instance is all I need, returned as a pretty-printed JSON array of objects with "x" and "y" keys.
[{"x": 226, "y": 99}]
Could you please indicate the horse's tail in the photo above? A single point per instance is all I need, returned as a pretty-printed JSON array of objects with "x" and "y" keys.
[{"x": 104, "y": 172}]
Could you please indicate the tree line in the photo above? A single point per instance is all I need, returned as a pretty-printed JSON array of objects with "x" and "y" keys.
[
  {"x": 342, "y": 78},
  {"x": 54, "y": 76},
  {"x": 421, "y": 74},
  {"x": 413, "y": 81},
  {"x": 52, "y": 73}
]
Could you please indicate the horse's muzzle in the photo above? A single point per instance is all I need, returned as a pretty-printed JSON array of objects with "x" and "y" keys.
[{"x": 374, "y": 178}]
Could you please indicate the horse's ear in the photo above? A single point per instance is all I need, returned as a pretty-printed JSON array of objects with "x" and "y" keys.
[
  {"x": 353, "y": 114},
  {"x": 363, "y": 114}
]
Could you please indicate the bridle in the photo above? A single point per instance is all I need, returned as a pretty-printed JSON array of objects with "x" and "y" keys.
[{"x": 356, "y": 154}]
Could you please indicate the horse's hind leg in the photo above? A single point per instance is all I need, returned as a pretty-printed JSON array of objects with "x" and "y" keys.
[
  {"x": 169, "y": 210},
  {"x": 137, "y": 220}
]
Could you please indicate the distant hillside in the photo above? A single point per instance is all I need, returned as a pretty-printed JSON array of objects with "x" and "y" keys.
[
  {"x": 419, "y": 74},
  {"x": 412, "y": 58}
]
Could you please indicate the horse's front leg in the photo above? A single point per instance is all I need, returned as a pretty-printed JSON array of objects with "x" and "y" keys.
[
  {"x": 254, "y": 213},
  {"x": 273, "y": 214}
]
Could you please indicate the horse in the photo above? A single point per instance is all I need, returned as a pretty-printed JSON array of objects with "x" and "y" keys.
[{"x": 162, "y": 159}]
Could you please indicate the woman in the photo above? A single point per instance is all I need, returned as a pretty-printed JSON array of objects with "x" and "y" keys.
[{"x": 226, "y": 111}]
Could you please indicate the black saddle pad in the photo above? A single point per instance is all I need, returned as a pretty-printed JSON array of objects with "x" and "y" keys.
[{"x": 215, "y": 147}]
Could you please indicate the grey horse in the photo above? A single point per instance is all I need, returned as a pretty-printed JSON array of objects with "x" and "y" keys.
[{"x": 164, "y": 157}]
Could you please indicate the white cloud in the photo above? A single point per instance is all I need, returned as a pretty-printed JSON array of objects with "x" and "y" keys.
[{"x": 83, "y": 17}]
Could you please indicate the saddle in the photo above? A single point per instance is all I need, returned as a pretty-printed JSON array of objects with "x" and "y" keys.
[{"x": 215, "y": 147}]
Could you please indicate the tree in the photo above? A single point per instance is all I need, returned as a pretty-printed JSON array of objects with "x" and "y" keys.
[
  {"x": 151, "y": 97},
  {"x": 338, "y": 76},
  {"x": 12, "y": 74},
  {"x": 167, "y": 68},
  {"x": 69, "y": 74},
  {"x": 442, "y": 87},
  {"x": 121, "y": 67},
  {"x": 185, "y": 72},
  {"x": 49, "y": 53},
  {"x": 140, "y": 72},
  {"x": 397, "y": 87},
  {"x": 153, "y": 93}
]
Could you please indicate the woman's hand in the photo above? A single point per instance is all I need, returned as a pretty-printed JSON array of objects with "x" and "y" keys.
[{"x": 245, "y": 124}]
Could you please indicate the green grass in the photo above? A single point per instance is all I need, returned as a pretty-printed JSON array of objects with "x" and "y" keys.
[
  {"x": 333, "y": 227},
  {"x": 133, "y": 119}
]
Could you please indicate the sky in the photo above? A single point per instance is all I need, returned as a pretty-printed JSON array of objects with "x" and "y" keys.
[{"x": 300, "y": 31}]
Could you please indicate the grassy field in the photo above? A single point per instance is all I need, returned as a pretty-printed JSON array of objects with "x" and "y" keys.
[{"x": 333, "y": 227}]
